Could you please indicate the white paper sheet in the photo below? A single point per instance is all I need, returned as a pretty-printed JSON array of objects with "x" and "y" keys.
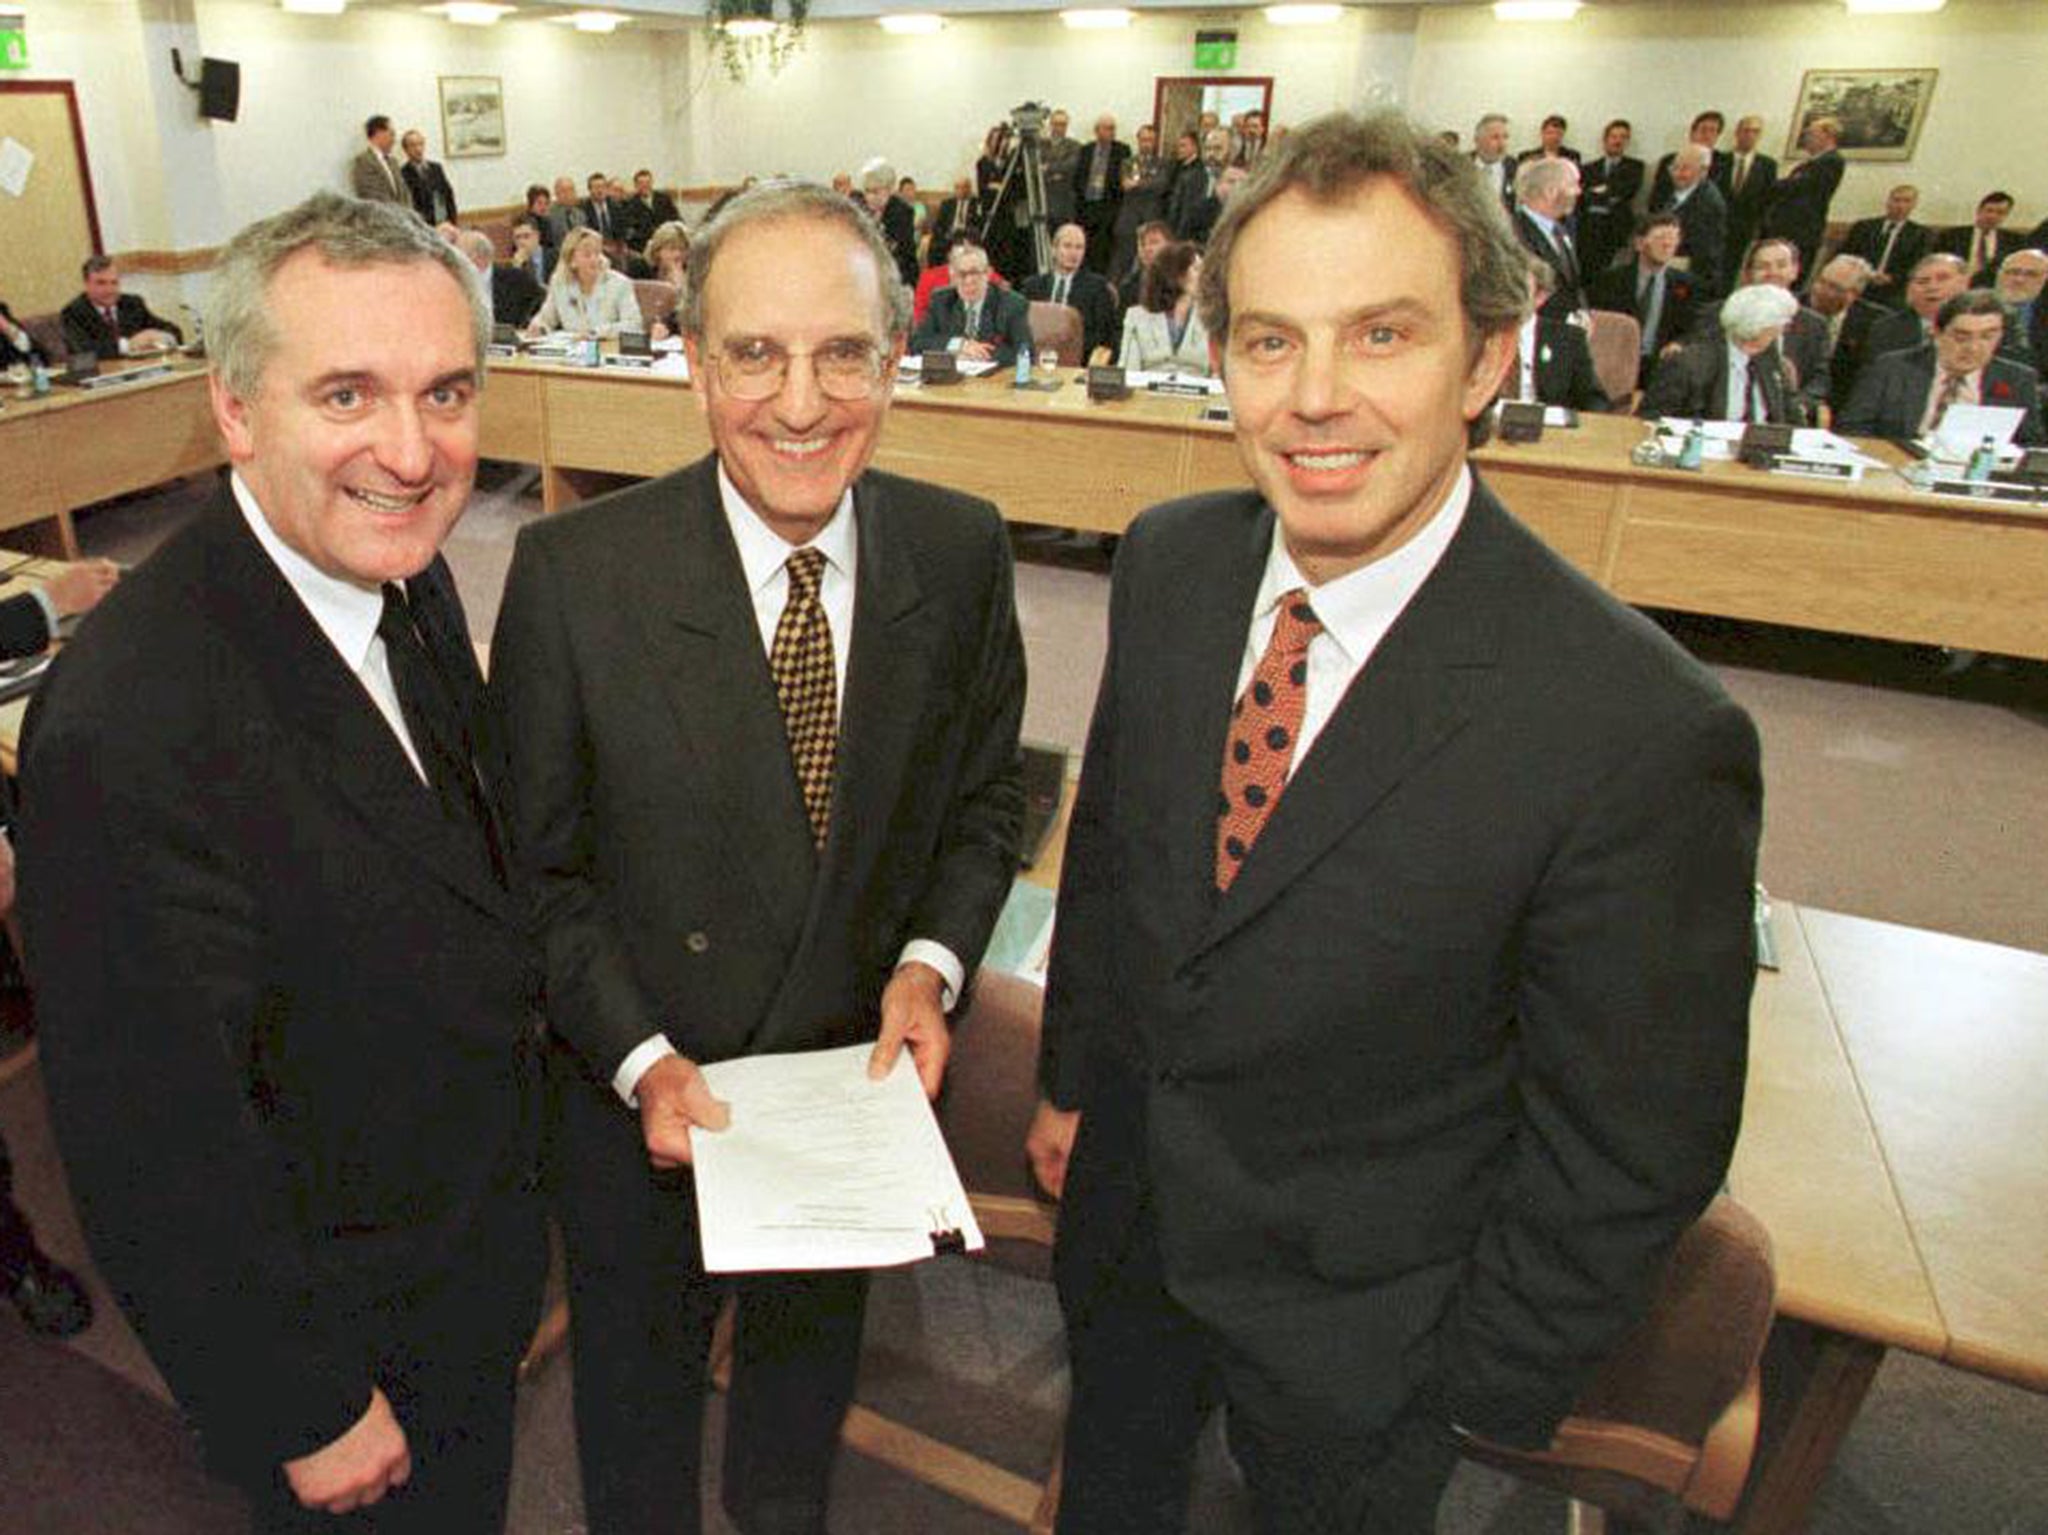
[
  {"x": 16, "y": 158},
  {"x": 822, "y": 1169}
]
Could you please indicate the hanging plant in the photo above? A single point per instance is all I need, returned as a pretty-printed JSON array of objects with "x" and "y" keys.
[{"x": 749, "y": 32}]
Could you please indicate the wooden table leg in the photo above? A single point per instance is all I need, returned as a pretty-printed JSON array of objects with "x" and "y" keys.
[{"x": 1839, "y": 1372}]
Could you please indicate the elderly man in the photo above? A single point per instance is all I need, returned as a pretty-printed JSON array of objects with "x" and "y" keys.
[
  {"x": 565, "y": 213},
  {"x": 509, "y": 287},
  {"x": 373, "y": 174},
  {"x": 1663, "y": 299},
  {"x": 1891, "y": 244},
  {"x": 426, "y": 184},
  {"x": 973, "y": 317},
  {"x": 1702, "y": 216},
  {"x": 1614, "y": 179},
  {"x": 1738, "y": 375},
  {"x": 1836, "y": 294},
  {"x": 1807, "y": 343},
  {"x": 1059, "y": 158},
  {"x": 1072, "y": 284},
  {"x": 1798, "y": 205},
  {"x": 1490, "y": 154},
  {"x": 1396, "y": 1019},
  {"x": 321, "y": 1214},
  {"x": 1906, "y": 394},
  {"x": 106, "y": 322},
  {"x": 1936, "y": 279},
  {"x": 1706, "y": 132},
  {"x": 1546, "y": 191},
  {"x": 2020, "y": 281},
  {"x": 892, "y": 215},
  {"x": 1099, "y": 190},
  {"x": 803, "y": 844}
]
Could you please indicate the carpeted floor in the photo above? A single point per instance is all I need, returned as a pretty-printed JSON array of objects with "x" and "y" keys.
[{"x": 1893, "y": 791}]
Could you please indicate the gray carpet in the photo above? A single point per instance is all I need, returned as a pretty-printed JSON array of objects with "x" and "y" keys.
[{"x": 1892, "y": 791}]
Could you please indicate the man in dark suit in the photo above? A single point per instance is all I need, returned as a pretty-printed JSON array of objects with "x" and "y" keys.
[
  {"x": 1553, "y": 363},
  {"x": 1937, "y": 277},
  {"x": 1808, "y": 340},
  {"x": 1546, "y": 192},
  {"x": 1906, "y": 394},
  {"x": 718, "y": 875},
  {"x": 1798, "y": 206},
  {"x": 1663, "y": 299},
  {"x": 647, "y": 209},
  {"x": 1706, "y": 132},
  {"x": 1058, "y": 154},
  {"x": 530, "y": 252},
  {"x": 1984, "y": 242},
  {"x": 1607, "y": 210},
  {"x": 320, "y": 1215},
  {"x": 433, "y": 199},
  {"x": 600, "y": 210},
  {"x": 373, "y": 174},
  {"x": 1192, "y": 206},
  {"x": 1099, "y": 190},
  {"x": 2021, "y": 278},
  {"x": 1891, "y": 244},
  {"x": 959, "y": 216},
  {"x": 1751, "y": 175},
  {"x": 1836, "y": 294},
  {"x": 1737, "y": 374},
  {"x": 892, "y": 215},
  {"x": 1702, "y": 218},
  {"x": 1397, "y": 1014},
  {"x": 1072, "y": 284},
  {"x": 109, "y": 323},
  {"x": 16, "y": 344},
  {"x": 1490, "y": 155},
  {"x": 514, "y": 296},
  {"x": 1550, "y": 143},
  {"x": 973, "y": 317}
]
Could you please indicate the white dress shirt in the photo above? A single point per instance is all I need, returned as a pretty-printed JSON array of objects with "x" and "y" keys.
[
  {"x": 764, "y": 563},
  {"x": 1357, "y": 609},
  {"x": 346, "y": 613}
]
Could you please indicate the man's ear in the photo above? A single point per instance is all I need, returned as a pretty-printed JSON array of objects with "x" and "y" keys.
[{"x": 231, "y": 414}]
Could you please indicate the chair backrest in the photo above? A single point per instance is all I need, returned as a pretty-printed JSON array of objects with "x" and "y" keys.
[
  {"x": 1056, "y": 329},
  {"x": 1616, "y": 341},
  {"x": 499, "y": 233},
  {"x": 657, "y": 298},
  {"x": 991, "y": 1093},
  {"x": 47, "y": 331}
]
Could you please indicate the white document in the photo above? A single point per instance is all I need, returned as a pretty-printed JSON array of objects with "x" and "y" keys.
[
  {"x": 15, "y": 160},
  {"x": 1963, "y": 427},
  {"x": 823, "y": 1169}
]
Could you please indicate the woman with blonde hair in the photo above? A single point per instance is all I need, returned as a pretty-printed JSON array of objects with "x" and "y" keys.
[
  {"x": 668, "y": 259},
  {"x": 586, "y": 296}
]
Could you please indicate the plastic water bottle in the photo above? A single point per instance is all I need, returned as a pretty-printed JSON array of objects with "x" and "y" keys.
[
  {"x": 1694, "y": 449},
  {"x": 1983, "y": 459},
  {"x": 1023, "y": 375},
  {"x": 39, "y": 379}
]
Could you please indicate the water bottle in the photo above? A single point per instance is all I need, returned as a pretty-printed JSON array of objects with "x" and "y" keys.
[
  {"x": 1694, "y": 448},
  {"x": 1983, "y": 459},
  {"x": 1023, "y": 376},
  {"x": 39, "y": 379}
]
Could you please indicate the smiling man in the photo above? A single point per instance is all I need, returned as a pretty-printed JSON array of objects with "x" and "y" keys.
[
  {"x": 1397, "y": 1010},
  {"x": 289, "y": 1016},
  {"x": 763, "y": 715}
]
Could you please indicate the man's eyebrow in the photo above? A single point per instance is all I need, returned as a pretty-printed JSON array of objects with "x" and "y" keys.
[
  {"x": 357, "y": 377},
  {"x": 1390, "y": 309}
]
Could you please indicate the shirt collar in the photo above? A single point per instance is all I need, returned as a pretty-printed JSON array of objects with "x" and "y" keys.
[
  {"x": 346, "y": 613},
  {"x": 1360, "y": 606},
  {"x": 1544, "y": 222},
  {"x": 763, "y": 551}
]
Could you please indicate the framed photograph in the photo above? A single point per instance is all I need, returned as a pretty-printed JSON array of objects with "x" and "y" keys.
[
  {"x": 1880, "y": 110},
  {"x": 472, "y": 116}
]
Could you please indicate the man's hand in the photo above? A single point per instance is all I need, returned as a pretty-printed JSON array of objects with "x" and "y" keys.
[
  {"x": 357, "y": 1469},
  {"x": 977, "y": 351},
  {"x": 6, "y": 876},
  {"x": 151, "y": 340},
  {"x": 914, "y": 1014},
  {"x": 1049, "y": 1143},
  {"x": 79, "y": 588},
  {"x": 673, "y": 1097}
]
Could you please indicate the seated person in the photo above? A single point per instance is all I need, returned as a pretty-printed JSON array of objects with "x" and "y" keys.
[
  {"x": 1737, "y": 375},
  {"x": 646, "y": 210},
  {"x": 2021, "y": 279},
  {"x": 1775, "y": 261},
  {"x": 109, "y": 323},
  {"x": 530, "y": 250},
  {"x": 586, "y": 296},
  {"x": 960, "y": 214},
  {"x": 668, "y": 260},
  {"x": 1153, "y": 237},
  {"x": 973, "y": 317},
  {"x": 1935, "y": 279},
  {"x": 1072, "y": 284},
  {"x": 1553, "y": 362},
  {"x": 1662, "y": 297},
  {"x": 513, "y": 294},
  {"x": 16, "y": 344},
  {"x": 1906, "y": 394},
  {"x": 1164, "y": 332}
]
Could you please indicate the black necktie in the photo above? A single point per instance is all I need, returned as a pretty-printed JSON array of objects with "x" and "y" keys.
[{"x": 434, "y": 720}]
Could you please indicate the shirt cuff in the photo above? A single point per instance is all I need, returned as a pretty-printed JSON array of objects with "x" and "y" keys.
[
  {"x": 927, "y": 951},
  {"x": 626, "y": 1080},
  {"x": 50, "y": 614},
  {"x": 954, "y": 344}
]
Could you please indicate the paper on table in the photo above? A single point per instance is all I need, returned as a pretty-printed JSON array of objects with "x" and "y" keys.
[{"x": 823, "y": 1169}]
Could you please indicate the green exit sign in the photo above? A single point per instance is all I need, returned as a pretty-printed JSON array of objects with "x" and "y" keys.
[
  {"x": 13, "y": 40},
  {"x": 1215, "y": 50}
]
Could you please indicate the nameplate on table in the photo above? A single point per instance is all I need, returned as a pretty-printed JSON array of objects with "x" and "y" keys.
[
  {"x": 125, "y": 376},
  {"x": 1815, "y": 468},
  {"x": 1982, "y": 490},
  {"x": 640, "y": 362},
  {"x": 1180, "y": 386}
]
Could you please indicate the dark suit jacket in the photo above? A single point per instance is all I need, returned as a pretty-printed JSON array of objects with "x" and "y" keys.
[
  {"x": 1419, "y": 1105},
  {"x": 1569, "y": 294},
  {"x": 422, "y": 182},
  {"x": 515, "y": 296},
  {"x": 614, "y": 227},
  {"x": 1607, "y": 209},
  {"x": 955, "y": 217},
  {"x": 1891, "y": 396},
  {"x": 641, "y": 219},
  {"x": 2026, "y": 337},
  {"x": 1957, "y": 240},
  {"x": 9, "y": 354},
  {"x": 1900, "y": 331},
  {"x": 1805, "y": 346},
  {"x": 1103, "y": 209},
  {"x": 86, "y": 329},
  {"x": 654, "y": 789},
  {"x": 1852, "y": 350},
  {"x": 899, "y": 232},
  {"x": 1746, "y": 208},
  {"x": 1703, "y": 236},
  {"x": 1693, "y": 383},
  {"x": 1564, "y": 368},
  {"x": 1615, "y": 289},
  {"x": 1101, "y": 317},
  {"x": 1866, "y": 238},
  {"x": 24, "y": 626},
  {"x": 1005, "y": 321},
  {"x": 544, "y": 266},
  {"x": 1798, "y": 206},
  {"x": 327, "y": 992},
  {"x": 1718, "y": 169},
  {"x": 1190, "y": 208}
]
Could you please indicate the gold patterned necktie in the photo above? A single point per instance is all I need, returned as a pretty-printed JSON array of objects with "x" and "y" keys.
[
  {"x": 800, "y": 661},
  {"x": 1263, "y": 725}
]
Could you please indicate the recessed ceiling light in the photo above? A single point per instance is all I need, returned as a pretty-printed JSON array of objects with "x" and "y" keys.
[
  {"x": 912, "y": 23},
  {"x": 1535, "y": 10},
  {"x": 595, "y": 21},
  {"x": 1891, "y": 7},
  {"x": 315, "y": 7},
  {"x": 1302, "y": 15},
  {"x": 1096, "y": 21}
]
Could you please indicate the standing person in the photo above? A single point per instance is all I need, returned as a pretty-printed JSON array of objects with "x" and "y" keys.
[
  {"x": 1702, "y": 217},
  {"x": 1060, "y": 157},
  {"x": 373, "y": 175},
  {"x": 803, "y": 842},
  {"x": 1396, "y": 1020},
  {"x": 892, "y": 215},
  {"x": 1546, "y": 192},
  {"x": 1099, "y": 176},
  {"x": 1072, "y": 284},
  {"x": 1705, "y": 132},
  {"x": 1798, "y": 205},
  {"x": 1490, "y": 154},
  {"x": 1146, "y": 176},
  {"x": 1751, "y": 177},
  {"x": 319, "y": 1215},
  {"x": 426, "y": 184},
  {"x": 1614, "y": 180}
]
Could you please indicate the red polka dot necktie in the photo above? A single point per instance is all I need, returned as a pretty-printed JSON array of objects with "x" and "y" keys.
[
  {"x": 800, "y": 661},
  {"x": 1263, "y": 725}
]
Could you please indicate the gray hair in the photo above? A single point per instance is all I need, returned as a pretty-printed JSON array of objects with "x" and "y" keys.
[
  {"x": 1537, "y": 179},
  {"x": 1748, "y": 313},
  {"x": 1858, "y": 270},
  {"x": 1693, "y": 154},
  {"x": 796, "y": 202},
  {"x": 1334, "y": 156},
  {"x": 240, "y": 335},
  {"x": 1491, "y": 117},
  {"x": 477, "y": 245},
  {"x": 877, "y": 173}
]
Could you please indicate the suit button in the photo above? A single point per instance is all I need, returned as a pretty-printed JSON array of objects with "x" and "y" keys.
[{"x": 697, "y": 942}]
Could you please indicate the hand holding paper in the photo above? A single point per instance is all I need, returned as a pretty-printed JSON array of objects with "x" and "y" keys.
[{"x": 673, "y": 1097}]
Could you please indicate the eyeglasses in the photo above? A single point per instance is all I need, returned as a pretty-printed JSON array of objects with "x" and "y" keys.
[{"x": 757, "y": 370}]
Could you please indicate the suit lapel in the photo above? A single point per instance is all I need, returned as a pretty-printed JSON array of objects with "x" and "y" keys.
[{"x": 1414, "y": 694}]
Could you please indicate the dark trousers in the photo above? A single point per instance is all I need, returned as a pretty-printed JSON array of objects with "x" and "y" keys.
[
  {"x": 641, "y": 1314},
  {"x": 17, "y": 1241},
  {"x": 1145, "y": 1375},
  {"x": 1098, "y": 221}
]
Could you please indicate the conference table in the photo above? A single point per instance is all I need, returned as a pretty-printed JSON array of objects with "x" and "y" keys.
[{"x": 1873, "y": 558}]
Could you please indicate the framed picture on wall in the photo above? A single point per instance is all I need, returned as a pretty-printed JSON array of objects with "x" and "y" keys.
[
  {"x": 472, "y": 116},
  {"x": 1880, "y": 110}
]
